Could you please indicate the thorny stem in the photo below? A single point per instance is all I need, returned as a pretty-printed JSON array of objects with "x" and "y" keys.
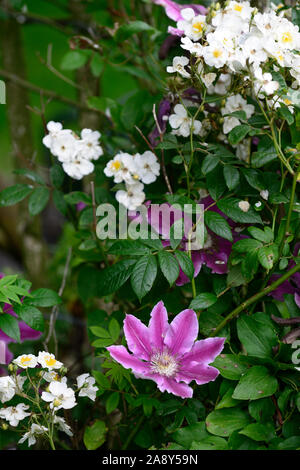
[{"x": 255, "y": 298}]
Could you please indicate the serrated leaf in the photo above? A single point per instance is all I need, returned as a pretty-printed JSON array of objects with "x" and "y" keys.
[
  {"x": 217, "y": 224},
  {"x": 169, "y": 266},
  {"x": 38, "y": 200},
  {"x": 143, "y": 275}
]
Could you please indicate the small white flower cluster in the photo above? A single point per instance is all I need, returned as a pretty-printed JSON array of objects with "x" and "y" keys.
[
  {"x": 135, "y": 171},
  {"x": 75, "y": 154},
  {"x": 239, "y": 35},
  {"x": 239, "y": 39},
  {"x": 57, "y": 394}
]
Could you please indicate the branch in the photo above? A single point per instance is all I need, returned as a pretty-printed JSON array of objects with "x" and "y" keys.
[
  {"x": 49, "y": 93},
  {"x": 254, "y": 298}
]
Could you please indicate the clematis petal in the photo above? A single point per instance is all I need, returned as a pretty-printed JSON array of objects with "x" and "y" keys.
[
  {"x": 202, "y": 374},
  {"x": 204, "y": 351},
  {"x": 158, "y": 325},
  {"x": 179, "y": 389},
  {"x": 28, "y": 333},
  {"x": 137, "y": 337},
  {"x": 297, "y": 299},
  {"x": 182, "y": 332},
  {"x": 121, "y": 355}
]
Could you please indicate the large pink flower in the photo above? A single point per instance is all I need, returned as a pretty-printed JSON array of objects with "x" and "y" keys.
[{"x": 168, "y": 354}]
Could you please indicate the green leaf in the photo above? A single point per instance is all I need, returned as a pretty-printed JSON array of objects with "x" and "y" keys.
[
  {"x": 128, "y": 248},
  {"x": 44, "y": 298},
  {"x": 267, "y": 255},
  {"x": 256, "y": 383},
  {"x": 186, "y": 435},
  {"x": 31, "y": 316},
  {"x": 77, "y": 196},
  {"x": 225, "y": 421},
  {"x": 246, "y": 245},
  {"x": 100, "y": 332},
  {"x": 265, "y": 236},
  {"x": 256, "y": 335},
  {"x": 73, "y": 60},
  {"x": 230, "y": 366},
  {"x": 238, "y": 133},
  {"x": 186, "y": 263},
  {"x": 59, "y": 201},
  {"x": 217, "y": 224},
  {"x": 143, "y": 275},
  {"x": 209, "y": 164},
  {"x": 114, "y": 329},
  {"x": 14, "y": 194},
  {"x": 169, "y": 266},
  {"x": 262, "y": 410},
  {"x": 94, "y": 436},
  {"x": 112, "y": 278},
  {"x": 32, "y": 175},
  {"x": 57, "y": 175},
  {"x": 38, "y": 200},
  {"x": 10, "y": 326},
  {"x": 112, "y": 402},
  {"x": 210, "y": 443},
  {"x": 132, "y": 27},
  {"x": 261, "y": 158},
  {"x": 101, "y": 380},
  {"x": 258, "y": 432},
  {"x": 232, "y": 177},
  {"x": 203, "y": 301},
  {"x": 230, "y": 207}
]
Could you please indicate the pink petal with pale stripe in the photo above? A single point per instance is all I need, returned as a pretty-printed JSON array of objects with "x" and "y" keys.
[
  {"x": 158, "y": 326},
  {"x": 182, "y": 332},
  {"x": 204, "y": 351},
  {"x": 179, "y": 389},
  {"x": 202, "y": 374},
  {"x": 121, "y": 355},
  {"x": 137, "y": 337}
]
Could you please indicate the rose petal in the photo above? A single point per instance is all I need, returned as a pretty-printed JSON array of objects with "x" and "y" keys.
[
  {"x": 137, "y": 337},
  {"x": 158, "y": 325},
  {"x": 121, "y": 355},
  {"x": 182, "y": 332}
]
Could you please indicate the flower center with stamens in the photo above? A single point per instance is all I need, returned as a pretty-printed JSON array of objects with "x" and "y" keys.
[
  {"x": 164, "y": 364},
  {"x": 198, "y": 27},
  {"x": 286, "y": 37},
  {"x": 238, "y": 8},
  {"x": 50, "y": 361},
  {"x": 217, "y": 53},
  {"x": 25, "y": 360},
  {"x": 116, "y": 165}
]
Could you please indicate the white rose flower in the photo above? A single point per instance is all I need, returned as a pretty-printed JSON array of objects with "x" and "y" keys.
[
  {"x": 48, "y": 361},
  {"x": 62, "y": 425},
  {"x": 87, "y": 387},
  {"x": 133, "y": 197},
  {"x": 14, "y": 414},
  {"x": 59, "y": 396},
  {"x": 178, "y": 66},
  {"x": 26, "y": 360},
  {"x": 35, "y": 429},
  {"x": 148, "y": 168},
  {"x": 182, "y": 123}
]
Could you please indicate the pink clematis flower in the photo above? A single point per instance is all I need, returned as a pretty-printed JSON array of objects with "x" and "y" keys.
[{"x": 168, "y": 354}]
